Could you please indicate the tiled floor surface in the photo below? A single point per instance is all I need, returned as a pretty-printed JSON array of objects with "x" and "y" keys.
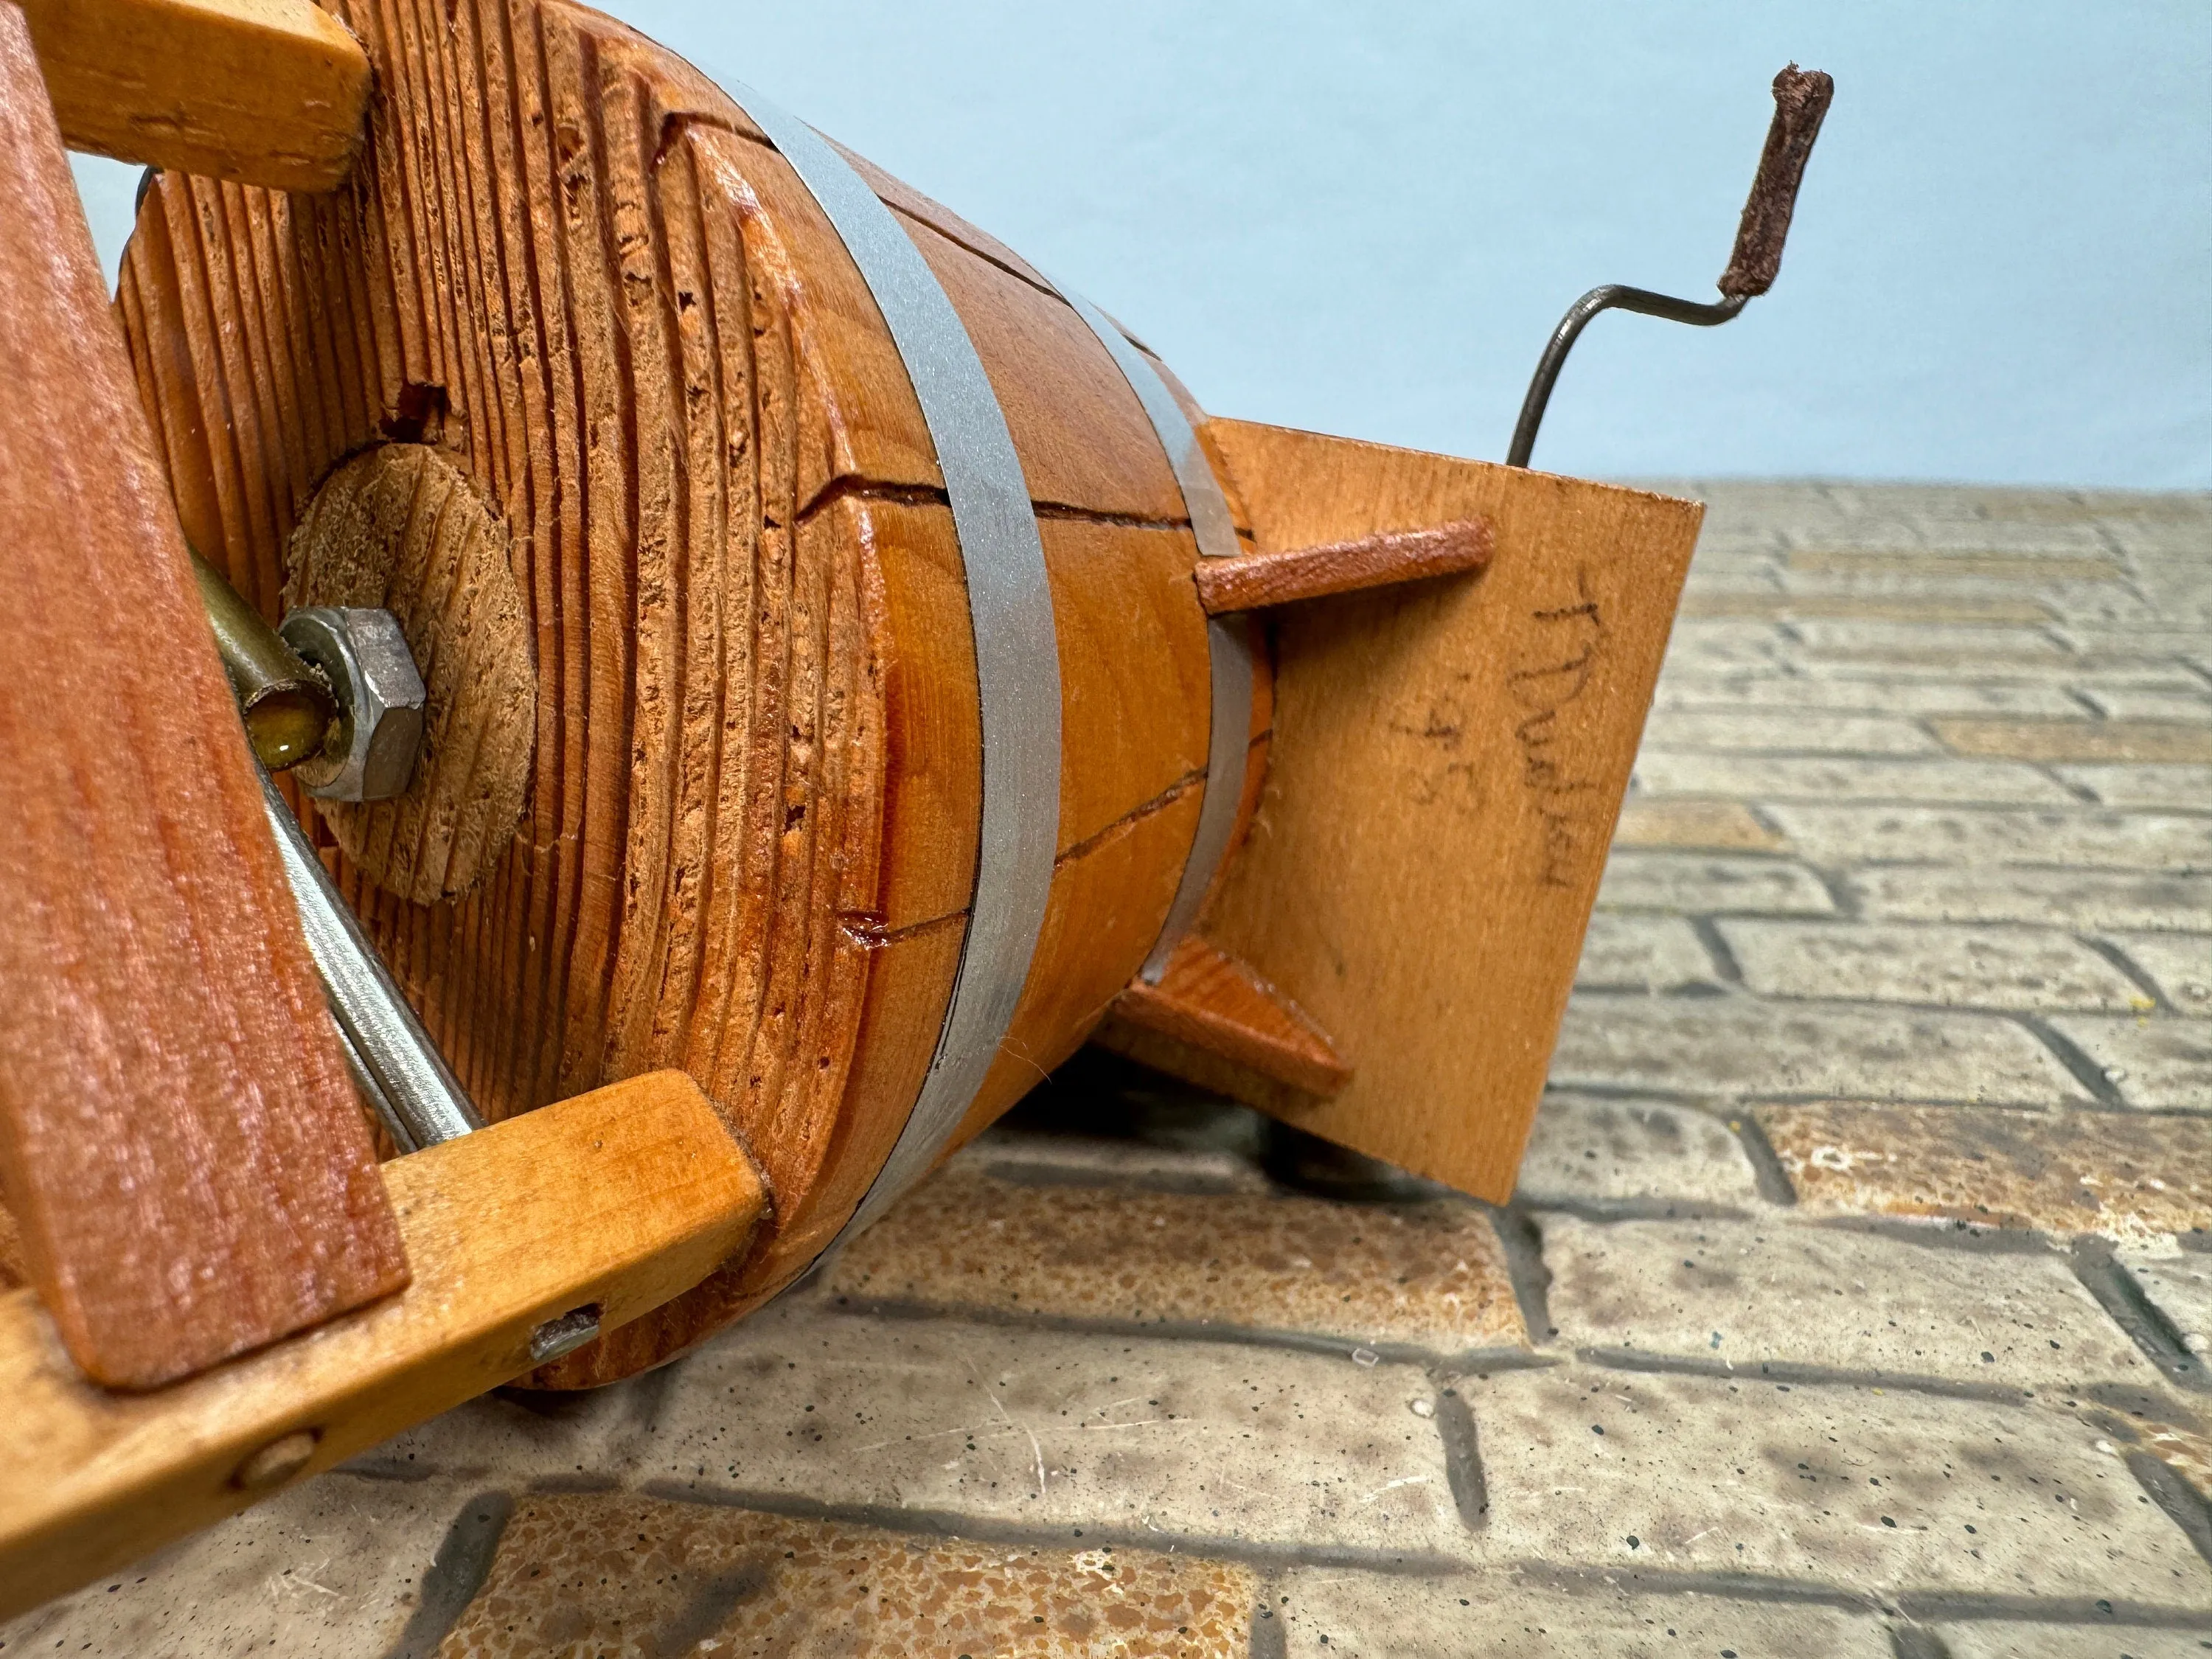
[{"x": 1853, "y": 1303}]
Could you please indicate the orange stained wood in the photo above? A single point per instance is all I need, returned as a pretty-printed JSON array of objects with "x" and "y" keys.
[
  {"x": 1446, "y": 764},
  {"x": 603, "y": 326},
  {"x": 1208, "y": 999},
  {"x": 270, "y": 92},
  {"x": 1253, "y": 581},
  {"x": 616, "y": 1199},
  {"x": 180, "y": 1142}
]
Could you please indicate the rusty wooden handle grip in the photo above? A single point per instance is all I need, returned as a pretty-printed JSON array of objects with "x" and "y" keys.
[{"x": 1800, "y": 103}]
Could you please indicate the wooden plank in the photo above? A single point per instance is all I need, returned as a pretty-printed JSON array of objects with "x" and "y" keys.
[
  {"x": 1253, "y": 581},
  {"x": 1210, "y": 1000},
  {"x": 1447, "y": 763},
  {"x": 265, "y": 92},
  {"x": 178, "y": 1138},
  {"x": 622, "y": 1198}
]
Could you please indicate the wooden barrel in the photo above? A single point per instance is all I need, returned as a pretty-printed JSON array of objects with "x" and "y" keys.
[{"x": 578, "y": 378}]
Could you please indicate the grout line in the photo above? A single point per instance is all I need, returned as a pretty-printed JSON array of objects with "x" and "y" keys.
[
  {"x": 2188, "y": 1508},
  {"x": 1955, "y": 1607},
  {"x": 1717, "y": 947},
  {"x": 1947, "y": 1233},
  {"x": 2031, "y": 1016},
  {"x": 2120, "y": 959},
  {"x": 1788, "y": 1374},
  {"x": 2090, "y": 1075},
  {"x": 1268, "y": 1638},
  {"x": 1462, "y": 1452},
  {"x": 1916, "y": 1641},
  {"x": 1604, "y": 1212},
  {"x": 1772, "y": 1180},
  {"x": 2081, "y": 791},
  {"x": 1192, "y": 1330},
  {"x": 1523, "y": 1244},
  {"x": 1704, "y": 1100},
  {"x": 946, "y": 1524},
  {"x": 2099, "y": 1268},
  {"x": 456, "y": 1574},
  {"x": 1611, "y": 1582}
]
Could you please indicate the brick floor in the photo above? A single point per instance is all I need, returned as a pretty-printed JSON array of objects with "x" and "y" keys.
[{"x": 1855, "y": 1301}]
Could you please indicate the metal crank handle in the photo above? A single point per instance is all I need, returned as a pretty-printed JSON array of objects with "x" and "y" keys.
[{"x": 1801, "y": 104}]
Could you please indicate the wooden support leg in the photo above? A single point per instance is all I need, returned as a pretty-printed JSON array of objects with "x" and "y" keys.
[
  {"x": 178, "y": 1140},
  {"x": 619, "y": 1200}
]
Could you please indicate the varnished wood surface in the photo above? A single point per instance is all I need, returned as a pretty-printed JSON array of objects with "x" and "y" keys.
[
  {"x": 1208, "y": 999},
  {"x": 569, "y": 269},
  {"x": 1253, "y": 581},
  {"x": 1447, "y": 763},
  {"x": 178, "y": 1140},
  {"x": 620, "y": 1198},
  {"x": 270, "y": 92}
]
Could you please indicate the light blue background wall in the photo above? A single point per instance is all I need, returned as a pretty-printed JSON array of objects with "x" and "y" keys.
[{"x": 1366, "y": 218}]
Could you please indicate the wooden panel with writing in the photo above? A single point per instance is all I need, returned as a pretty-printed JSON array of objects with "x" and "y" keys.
[{"x": 1447, "y": 764}]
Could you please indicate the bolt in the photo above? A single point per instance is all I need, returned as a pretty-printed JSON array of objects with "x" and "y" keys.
[
  {"x": 371, "y": 754},
  {"x": 288, "y": 708}
]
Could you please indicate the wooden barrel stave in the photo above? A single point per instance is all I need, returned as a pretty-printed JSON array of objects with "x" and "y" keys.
[{"x": 572, "y": 270}]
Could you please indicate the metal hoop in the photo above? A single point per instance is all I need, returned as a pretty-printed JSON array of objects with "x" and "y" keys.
[
  {"x": 1228, "y": 640},
  {"x": 1017, "y": 648}
]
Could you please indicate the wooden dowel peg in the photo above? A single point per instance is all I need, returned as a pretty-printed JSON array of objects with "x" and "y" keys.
[{"x": 1253, "y": 581}]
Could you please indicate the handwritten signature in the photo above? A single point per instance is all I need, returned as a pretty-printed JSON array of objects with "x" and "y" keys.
[{"x": 1570, "y": 641}]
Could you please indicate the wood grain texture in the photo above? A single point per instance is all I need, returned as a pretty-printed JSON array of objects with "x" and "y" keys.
[
  {"x": 267, "y": 92},
  {"x": 1208, "y": 999},
  {"x": 620, "y": 1198},
  {"x": 401, "y": 528},
  {"x": 569, "y": 270},
  {"x": 1253, "y": 581},
  {"x": 1447, "y": 762},
  {"x": 178, "y": 1140}
]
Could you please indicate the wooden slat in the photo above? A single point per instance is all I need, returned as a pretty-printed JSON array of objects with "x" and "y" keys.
[
  {"x": 1254, "y": 581},
  {"x": 1210, "y": 1000},
  {"x": 623, "y": 1198},
  {"x": 1447, "y": 763},
  {"x": 265, "y": 92},
  {"x": 178, "y": 1138}
]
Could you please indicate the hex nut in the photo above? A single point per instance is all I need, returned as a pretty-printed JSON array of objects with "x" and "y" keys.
[{"x": 378, "y": 732}]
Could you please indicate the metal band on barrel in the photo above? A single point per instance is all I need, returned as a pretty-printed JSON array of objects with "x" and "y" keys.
[
  {"x": 1017, "y": 650},
  {"x": 1228, "y": 638}
]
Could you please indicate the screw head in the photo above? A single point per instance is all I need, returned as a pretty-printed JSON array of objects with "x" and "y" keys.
[{"x": 565, "y": 1335}]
